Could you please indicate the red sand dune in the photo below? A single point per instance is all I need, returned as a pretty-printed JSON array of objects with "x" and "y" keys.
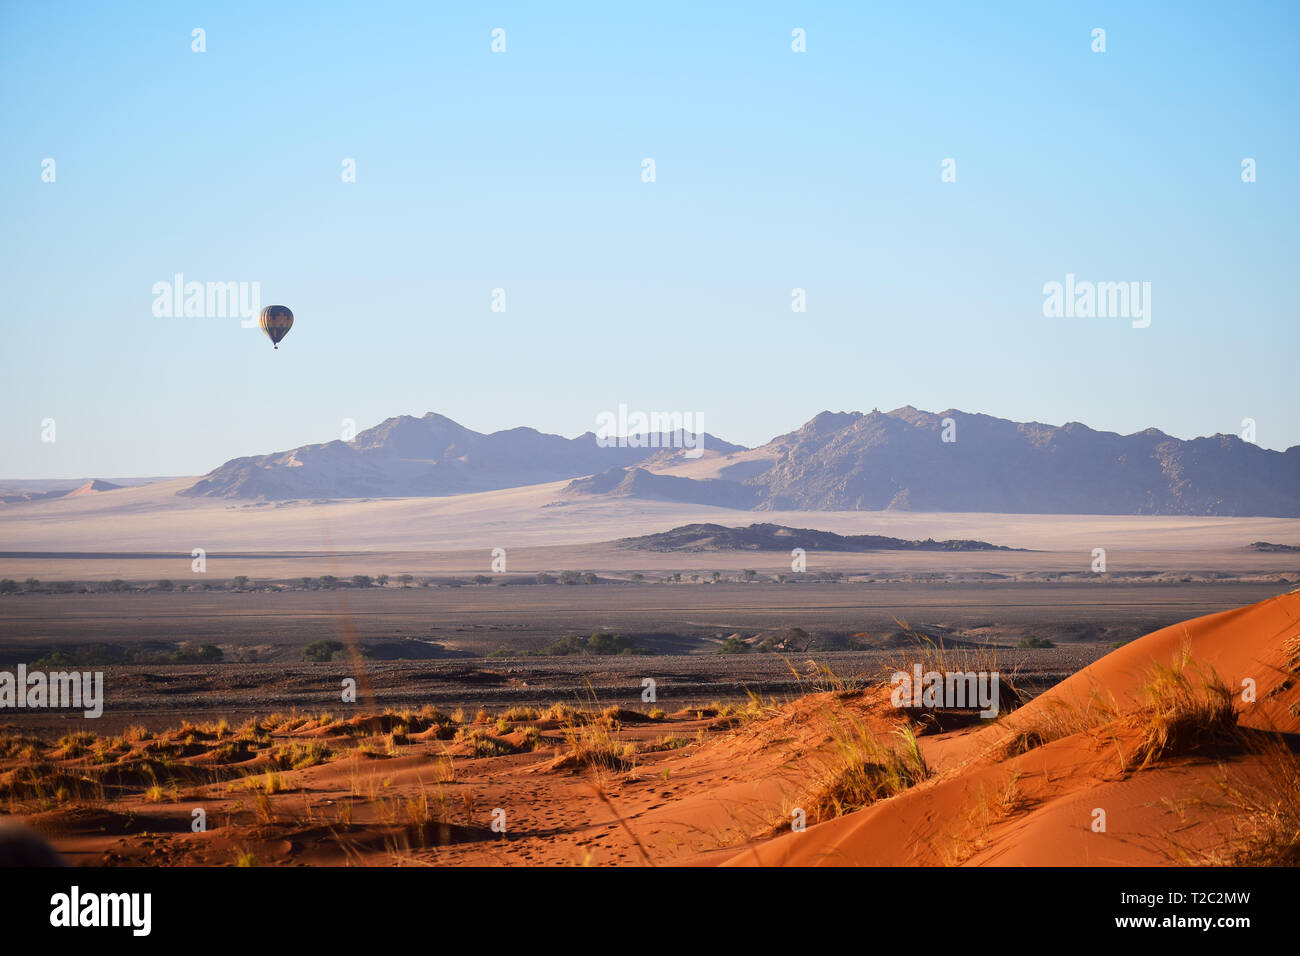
[
  {"x": 95, "y": 487},
  {"x": 1175, "y": 811}
]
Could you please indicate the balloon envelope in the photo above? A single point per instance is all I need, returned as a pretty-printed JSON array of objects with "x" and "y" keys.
[{"x": 276, "y": 321}]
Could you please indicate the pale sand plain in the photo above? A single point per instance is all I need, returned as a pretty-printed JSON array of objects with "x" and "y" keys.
[{"x": 149, "y": 532}]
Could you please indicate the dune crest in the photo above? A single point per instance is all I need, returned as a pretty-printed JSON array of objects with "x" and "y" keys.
[{"x": 1033, "y": 788}]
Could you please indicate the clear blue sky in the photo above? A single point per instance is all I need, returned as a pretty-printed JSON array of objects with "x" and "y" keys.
[{"x": 522, "y": 170}]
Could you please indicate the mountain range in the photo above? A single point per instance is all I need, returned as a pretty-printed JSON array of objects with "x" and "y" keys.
[
  {"x": 430, "y": 456},
  {"x": 900, "y": 460},
  {"x": 906, "y": 459}
]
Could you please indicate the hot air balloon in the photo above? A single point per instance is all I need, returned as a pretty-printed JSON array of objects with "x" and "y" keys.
[{"x": 276, "y": 321}]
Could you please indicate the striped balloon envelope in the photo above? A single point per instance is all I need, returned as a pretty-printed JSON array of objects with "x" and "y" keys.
[{"x": 276, "y": 321}]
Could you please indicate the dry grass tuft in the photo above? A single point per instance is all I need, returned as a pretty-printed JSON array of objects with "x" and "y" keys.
[
  {"x": 1179, "y": 717},
  {"x": 1261, "y": 809},
  {"x": 516, "y": 715},
  {"x": 863, "y": 770},
  {"x": 1266, "y": 817},
  {"x": 595, "y": 746},
  {"x": 1055, "y": 720}
]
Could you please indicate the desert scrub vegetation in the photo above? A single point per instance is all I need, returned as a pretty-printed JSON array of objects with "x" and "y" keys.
[
  {"x": 601, "y": 643},
  {"x": 937, "y": 653},
  {"x": 159, "y": 747},
  {"x": 423, "y": 817},
  {"x": 532, "y": 737},
  {"x": 482, "y": 743},
  {"x": 235, "y": 751},
  {"x": 1178, "y": 717},
  {"x": 1266, "y": 816},
  {"x": 1035, "y": 642},
  {"x": 1260, "y": 807},
  {"x": 822, "y": 678},
  {"x": 1182, "y": 709},
  {"x": 207, "y": 654},
  {"x": 1291, "y": 648},
  {"x": 252, "y": 731},
  {"x": 520, "y": 714},
  {"x": 268, "y": 784},
  {"x": 992, "y": 806},
  {"x": 862, "y": 770},
  {"x": 298, "y": 756},
  {"x": 288, "y": 723},
  {"x": 321, "y": 651},
  {"x": 561, "y": 713},
  {"x": 594, "y": 746},
  {"x": 16, "y": 745},
  {"x": 614, "y": 717},
  {"x": 727, "y": 715},
  {"x": 108, "y": 749},
  {"x": 1054, "y": 720},
  {"x": 158, "y": 794},
  {"x": 76, "y": 744}
]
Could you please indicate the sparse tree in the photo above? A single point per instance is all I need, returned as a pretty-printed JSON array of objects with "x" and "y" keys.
[
  {"x": 383, "y": 580},
  {"x": 240, "y": 582},
  {"x": 481, "y": 579},
  {"x": 322, "y": 650},
  {"x": 405, "y": 580},
  {"x": 796, "y": 639},
  {"x": 166, "y": 586},
  {"x": 361, "y": 581}
]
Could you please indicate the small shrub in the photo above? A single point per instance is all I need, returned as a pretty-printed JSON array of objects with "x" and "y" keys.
[{"x": 320, "y": 651}]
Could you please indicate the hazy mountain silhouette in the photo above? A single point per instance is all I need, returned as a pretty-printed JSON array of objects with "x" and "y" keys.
[
  {"x": 432, "y": 455},
  {"x": 900, "y": 460},
  {"x": 837, "y": 461}
]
